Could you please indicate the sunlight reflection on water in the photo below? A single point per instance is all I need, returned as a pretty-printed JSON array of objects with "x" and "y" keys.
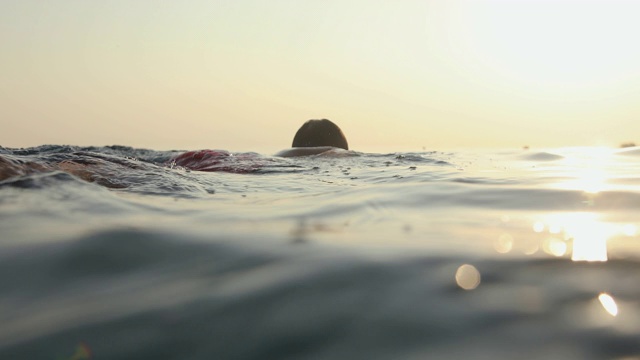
[
  {"x": 304, "y": 234},
  {"x": 583, "y": 234},
  {"x": 587, "y": 234},
  {"x": 608, "y": 303},
  {"x": 588, "y": 169}
]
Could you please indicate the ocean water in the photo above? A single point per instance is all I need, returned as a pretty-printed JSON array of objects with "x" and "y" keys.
[{"x": 124, "y": 253}]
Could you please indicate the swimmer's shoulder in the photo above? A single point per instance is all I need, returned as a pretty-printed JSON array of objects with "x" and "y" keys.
[{"x": 315, "y": 150}]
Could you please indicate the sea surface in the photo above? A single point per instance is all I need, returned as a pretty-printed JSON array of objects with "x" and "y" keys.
[{"x": 124, "y": 253}]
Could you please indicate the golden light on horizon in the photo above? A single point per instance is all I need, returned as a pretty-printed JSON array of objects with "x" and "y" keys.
[
  {"x": 393, "y": 74},
  {"x": 588, "y": 171},
  {"x": 560, "y": 47},
  {"x": 590, "y": 181},
  {"x": 587, "y": 168}
]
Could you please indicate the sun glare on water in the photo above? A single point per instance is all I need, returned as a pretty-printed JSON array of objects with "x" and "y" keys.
[
  {"x": 608, "y": 303},
  {"x": 583, "y": 234},
  {"x": 587, "y": 234},
  {"x": 587, "y": 169}
]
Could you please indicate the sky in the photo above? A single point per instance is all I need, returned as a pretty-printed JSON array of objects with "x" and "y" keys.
[{"x": 243, "y": 75}]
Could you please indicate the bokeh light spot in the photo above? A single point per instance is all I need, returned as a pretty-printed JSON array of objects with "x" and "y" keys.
[
  {"x": 630, "y": 230},
  {"x": 504, "y": 243},
  {"x": 555, "y": 229},
  {"x": 608, "y": 303},
  {"x": 468, "y": 277},
  {"x": 531, "y": 249},
  {"x": 555, "y": 247},
  {"x": 538, "y": 227}
]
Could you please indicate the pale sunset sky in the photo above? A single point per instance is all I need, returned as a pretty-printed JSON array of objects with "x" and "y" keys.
[{"x": 243, "y": 75}]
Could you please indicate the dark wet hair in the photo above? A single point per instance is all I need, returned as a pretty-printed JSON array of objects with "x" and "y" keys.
[{"x": 320, "y": 133}]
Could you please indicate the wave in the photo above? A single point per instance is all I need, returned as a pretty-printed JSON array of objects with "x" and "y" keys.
[
  {"x": 117, "y": 252},
  {"x": 175, "y": 296},
  {"x": 541, "y": 156}
]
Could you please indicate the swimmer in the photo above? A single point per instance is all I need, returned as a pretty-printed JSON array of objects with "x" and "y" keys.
[{"x": 316, "y": 137}]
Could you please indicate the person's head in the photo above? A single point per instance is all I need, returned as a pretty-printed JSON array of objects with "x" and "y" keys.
[{"x": 320, "y": 133}]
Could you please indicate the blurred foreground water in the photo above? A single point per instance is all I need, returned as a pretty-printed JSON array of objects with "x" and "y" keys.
[{"x": 118, "y": 253}]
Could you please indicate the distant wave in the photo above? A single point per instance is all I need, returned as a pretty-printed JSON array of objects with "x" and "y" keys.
[{"x": 541, "y": 156}]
